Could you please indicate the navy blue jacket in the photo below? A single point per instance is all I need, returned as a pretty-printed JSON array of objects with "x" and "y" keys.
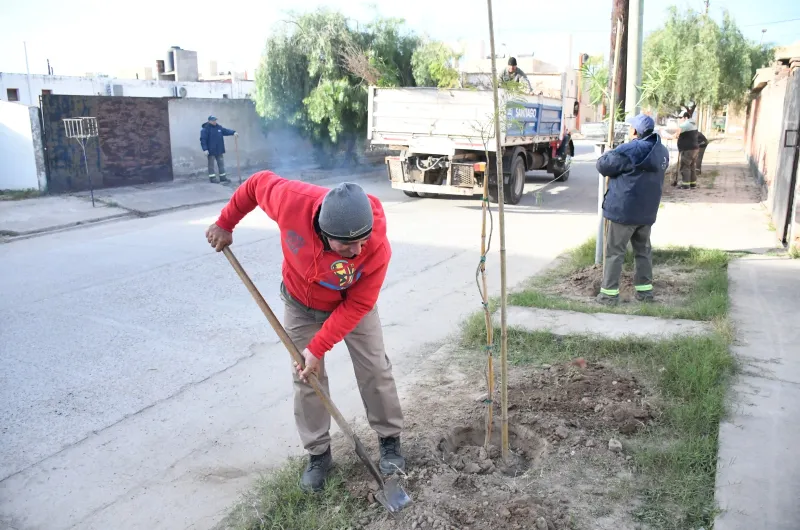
[
  {"x": 211, "y": 138},
  {"x": 636, "y": 179}
]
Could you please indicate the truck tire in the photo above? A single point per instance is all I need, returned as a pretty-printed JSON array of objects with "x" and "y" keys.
[
  {"x": 412, "y": 194},
  {"x": 513, "y": 191},
  {"x": 564, "y": 177}
]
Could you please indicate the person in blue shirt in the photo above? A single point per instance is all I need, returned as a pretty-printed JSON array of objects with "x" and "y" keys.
[
  {"x": 213, "y": 144},
  {"x": 636, "y": 179}
]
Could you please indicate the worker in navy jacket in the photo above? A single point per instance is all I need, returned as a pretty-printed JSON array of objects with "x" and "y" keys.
[
  {"x": 212, "y": 141},
  {"x": 636, "y": 178}
]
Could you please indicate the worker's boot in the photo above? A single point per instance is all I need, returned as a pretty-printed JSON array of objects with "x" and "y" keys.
[
  {"x": 316, "y": 472},
  {"x": 645, "y": 296},
  {"x": 391, "y": 457},
  {"x": 223, "y": 179},
  {"x": 607, "y": 299},
  {"x": 213, "y": 180}
]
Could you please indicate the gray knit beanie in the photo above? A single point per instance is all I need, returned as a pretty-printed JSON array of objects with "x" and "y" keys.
[{"x": 346, "y": 213}]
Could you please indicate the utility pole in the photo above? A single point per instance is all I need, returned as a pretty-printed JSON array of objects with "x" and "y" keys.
[
  {"x": 634, "y": 66},
  {"x": 706, "y": 2},
  {"x": 619, "y": 12}
]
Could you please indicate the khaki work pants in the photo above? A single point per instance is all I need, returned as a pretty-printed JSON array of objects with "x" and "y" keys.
[{"x": 373, "y": 372}]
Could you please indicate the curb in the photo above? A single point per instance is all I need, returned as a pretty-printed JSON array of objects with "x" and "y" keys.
[{"x": 7, "y": 236}]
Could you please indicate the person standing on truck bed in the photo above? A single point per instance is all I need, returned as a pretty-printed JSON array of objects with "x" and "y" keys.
[
  {"x": 636, "y": 178},
  {"x": 335, "y": 257},
  {"x": 514, "y": 74}
]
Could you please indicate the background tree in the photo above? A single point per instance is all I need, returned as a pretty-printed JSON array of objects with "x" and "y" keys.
[
  {"x": 315, "y": 71},
  {"x": 433, "y": 64},
  {"x": 694, "y": 59}
]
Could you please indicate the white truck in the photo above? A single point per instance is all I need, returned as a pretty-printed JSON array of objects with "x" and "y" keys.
[{"x": 446, "y": 136}]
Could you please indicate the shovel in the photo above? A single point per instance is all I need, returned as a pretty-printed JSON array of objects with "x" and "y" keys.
[{"x": 391, "y": 495}]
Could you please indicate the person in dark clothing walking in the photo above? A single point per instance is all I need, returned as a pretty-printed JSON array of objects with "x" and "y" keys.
[
  {"x": 636, "y": 178},
  {"x": 213, "y": 144},
  {"x": 702, "y": 143},
  {"x": 688, "y": 151}
]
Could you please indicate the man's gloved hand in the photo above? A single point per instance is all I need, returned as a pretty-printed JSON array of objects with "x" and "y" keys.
[
  {"x": 312, "y": 365},
  {"x": 218, "y": 238},
  {"x": 236, "y": 134},
  {"x": 205, "y": 153}
]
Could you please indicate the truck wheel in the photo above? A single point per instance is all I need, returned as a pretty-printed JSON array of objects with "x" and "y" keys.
[
  {"x": 564, "y": 177},
  {"x": 412, "y": 194},
  {"x": 516, "y": 182}
]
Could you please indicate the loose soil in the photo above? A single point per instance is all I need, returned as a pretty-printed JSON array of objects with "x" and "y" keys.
[
  {"x": 672, "y": 284},
  {"x": 561, "y": 473}
]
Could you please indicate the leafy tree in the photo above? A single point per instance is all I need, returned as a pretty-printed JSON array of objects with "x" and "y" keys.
[
  {"x": 432, "y": 65},
  {"x": 694, "y": 59},
  {"x": 315, "y": 70}
]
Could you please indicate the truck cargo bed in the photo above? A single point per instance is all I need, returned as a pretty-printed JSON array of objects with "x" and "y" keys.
[{"x": 433, "y": 120}]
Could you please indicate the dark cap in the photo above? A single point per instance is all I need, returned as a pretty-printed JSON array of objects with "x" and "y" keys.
[
  {"x": 512, "y": 61},
  {"x": 346, "y": 213},
  {"x": 212, "y": 118}
]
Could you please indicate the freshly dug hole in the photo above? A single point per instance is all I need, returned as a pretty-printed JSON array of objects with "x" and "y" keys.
[{"x": 464, "y": 450}]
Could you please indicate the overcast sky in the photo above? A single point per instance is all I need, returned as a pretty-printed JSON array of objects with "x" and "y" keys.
[{"x": 80, "y": 36}]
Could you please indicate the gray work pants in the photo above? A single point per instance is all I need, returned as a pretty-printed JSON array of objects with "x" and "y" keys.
[
  {"x": 372, "y": 368},
  {"x": 699, "y": 163},
  {"x": 220, "y": 163},
  {"x": 617, "y": 238},
  {"x": 688, "y": 165}
]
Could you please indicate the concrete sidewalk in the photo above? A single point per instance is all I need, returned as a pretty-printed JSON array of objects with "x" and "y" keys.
[
  {"x": 758, "y": 476},
  {"x": 30, "y": 217},
  {"x": 46, "y": 214}
]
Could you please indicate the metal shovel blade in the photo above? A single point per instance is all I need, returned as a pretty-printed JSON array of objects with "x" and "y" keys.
[{"x": 393, "y": 497}]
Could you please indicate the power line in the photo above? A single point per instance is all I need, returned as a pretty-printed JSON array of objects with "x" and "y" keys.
[{"x": 769, "y": 23}]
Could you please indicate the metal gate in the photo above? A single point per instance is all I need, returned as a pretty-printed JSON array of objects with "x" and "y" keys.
[
  {"x": 133, "y": 146},
  {"x": 786, "y": 176}
]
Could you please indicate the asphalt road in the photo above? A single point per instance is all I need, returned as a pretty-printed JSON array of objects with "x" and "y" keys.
[{"x": 141, "y": 387}]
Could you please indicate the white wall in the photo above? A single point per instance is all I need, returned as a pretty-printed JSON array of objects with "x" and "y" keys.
[
  {"x": 279, "y": 148},
  {"x": 94, "y": 86},
  {"x": 20, "y": 148}
]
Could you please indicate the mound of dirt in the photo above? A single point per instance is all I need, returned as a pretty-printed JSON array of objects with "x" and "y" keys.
[
  {"x": 558, "y": 412},
  {"x": 671, "y": 285}
]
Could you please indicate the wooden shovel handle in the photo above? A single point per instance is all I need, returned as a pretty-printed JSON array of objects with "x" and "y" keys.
[{"x": 287, "y": 341}]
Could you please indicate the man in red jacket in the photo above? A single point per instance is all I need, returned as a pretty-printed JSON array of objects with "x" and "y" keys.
[{"x": 335, "y": 257}]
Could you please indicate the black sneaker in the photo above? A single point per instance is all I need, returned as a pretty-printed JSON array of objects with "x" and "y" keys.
[
  {"x": 213, "y": 180},
  {"x": 316, "y": 472},
  {"x": 391, "y": 457},
  {"x": 223, "y": 179},
  {"x": 607, "y": 299}
]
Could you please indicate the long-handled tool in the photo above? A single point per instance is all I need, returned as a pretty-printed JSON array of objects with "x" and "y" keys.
[
  {"x": 238, "y": 166},
  {"x": 391, "y": 494}
]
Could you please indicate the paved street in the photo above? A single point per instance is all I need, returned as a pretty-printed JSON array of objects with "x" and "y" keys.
[{"x": 141, "y": 387}]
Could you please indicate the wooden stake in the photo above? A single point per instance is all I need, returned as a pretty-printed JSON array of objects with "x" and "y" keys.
[
  {"x": 487, "y": 318},
  {"x": 502, "y": 229},
  {"x": 611, "y": 122}
]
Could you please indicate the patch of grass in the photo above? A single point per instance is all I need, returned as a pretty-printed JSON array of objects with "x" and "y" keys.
[
  {"x": 277, "y": 502},
  {"x": 794, "y": 251},
  {"x": 18, "y": 195},
  {"x": 771, "y": 226},
  {"x": 707, "y": 300},
  {"x": 676, "y": 457}
]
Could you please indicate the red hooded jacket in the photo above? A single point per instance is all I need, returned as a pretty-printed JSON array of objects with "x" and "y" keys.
[{"x": 319, "y": 279}]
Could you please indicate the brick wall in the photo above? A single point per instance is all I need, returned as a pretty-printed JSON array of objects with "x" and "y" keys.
[{"x": 133, "y": 146}]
